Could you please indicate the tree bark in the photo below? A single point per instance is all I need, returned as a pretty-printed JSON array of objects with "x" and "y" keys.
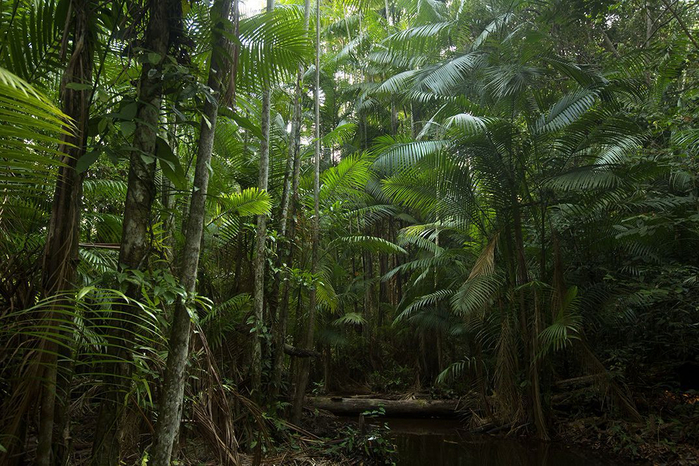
[
  {"x": 288, "y": 224},
  {"x": 305, "y": 364},
  {"x": 167, "y": 190},
  {"x": 135, "y": 241},
  {"x": 260, "y": 253},
  {"x": 170, "y": 404},
  {"x": 530, "y": 336},
  {"x": 61, "y": 251}
]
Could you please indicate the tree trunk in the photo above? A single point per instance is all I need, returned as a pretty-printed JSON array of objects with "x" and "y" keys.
[
  {"x": 61, "y": 251},
  {"x": 294, "y": 142},
  {"x": 170, "y": 405},
  {"x": 167, "y": 190},
  {"x": 305, "y": 364},
  {"x": 260, "y": 253},
  {"x": 289, "y": 203},
  {"x": 135, "y": 240},
  {"x": 530, "y": 336}
]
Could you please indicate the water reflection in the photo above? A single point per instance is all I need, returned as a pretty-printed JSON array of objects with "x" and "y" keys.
[{"x": 438, "y": 442}]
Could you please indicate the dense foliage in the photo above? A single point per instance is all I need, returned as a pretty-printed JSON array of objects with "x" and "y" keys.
[{"x": 201, "y": 217}]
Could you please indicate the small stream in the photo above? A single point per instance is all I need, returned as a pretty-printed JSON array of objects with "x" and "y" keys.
[{"x": 437, "y": 442}]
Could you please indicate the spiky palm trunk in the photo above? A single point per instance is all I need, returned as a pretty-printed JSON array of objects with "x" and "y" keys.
[
  {"x": 135, "y": 242},
  {"x": 304, "y": 366},
  {"x": 170, "y": 405}
]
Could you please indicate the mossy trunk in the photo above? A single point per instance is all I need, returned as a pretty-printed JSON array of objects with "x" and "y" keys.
[
  {"x": 135, "y": 240},
  {"x": 60, "y": 260},
  {"x": 172, "y": 395},
  {"x": 304, "y": 366},
  {"x": 260, "y": 250}
]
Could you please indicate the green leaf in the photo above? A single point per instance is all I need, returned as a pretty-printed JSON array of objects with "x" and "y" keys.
[
  {"x": 154, "y": 58},
  {"x": 147, "y": 158},
  {"x": 351, "y": 318},
  {"x": 170, "y": 164},
  {"x": 367, "y": 243},
  {"x": 84, "y": 291},
  {"x": 128, "y": 111},
  {"x": 127, "y": 128},
  {"x": 79, "y": 86},
  {"x": 29, "y": 135},
  {"x": 86, "y": 160},
  {"x": 245, "y": 123}
]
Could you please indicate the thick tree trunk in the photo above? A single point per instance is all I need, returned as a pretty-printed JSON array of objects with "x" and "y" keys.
[
  {"x": 305, "y": 364},
  {"x": 135, "y": 242},
  {"x": 170, "y": 405},
  {"x": 61, "y": 251}
]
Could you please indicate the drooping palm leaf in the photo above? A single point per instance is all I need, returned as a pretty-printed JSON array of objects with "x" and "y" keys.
[{"x": 29, "y": 136}]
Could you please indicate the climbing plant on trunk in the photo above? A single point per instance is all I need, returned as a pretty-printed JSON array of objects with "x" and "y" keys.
[
  {"x": 171, "y": 399},
  {"x": 164, "y": 20}
]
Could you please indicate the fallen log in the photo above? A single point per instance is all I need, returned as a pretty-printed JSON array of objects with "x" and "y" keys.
[
  {"x": 300, "y": 353},
  {"x": 393, "y": 408},
  {"x": 100, "y": 245}
]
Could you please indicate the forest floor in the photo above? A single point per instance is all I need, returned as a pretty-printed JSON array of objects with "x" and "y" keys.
[
  {"x": 668, "y": 435},
  {"x": 293, "y": 460}
]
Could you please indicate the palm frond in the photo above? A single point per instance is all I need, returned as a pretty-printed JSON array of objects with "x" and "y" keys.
[
  {"x": 273, "y": 45},
  {"x": 367, "y": 243},
  {"x": 29, "y": 136}
]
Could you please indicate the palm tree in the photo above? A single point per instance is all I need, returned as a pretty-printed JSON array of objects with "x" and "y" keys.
[
  {"x": 287, "y": 223},
  {"x": 497, "y": 146},
  {"x": 163, "y": 23},
  {"x": 61, "y": 247},
  {"x": 304, "y": 369},
  {"x": 260, "y": 241},
  {"x": 33, "y": 126},
  {"x": 170, "y": 409}
]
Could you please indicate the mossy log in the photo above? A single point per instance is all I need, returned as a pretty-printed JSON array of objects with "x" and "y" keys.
[{"x": 394, "y": 408}]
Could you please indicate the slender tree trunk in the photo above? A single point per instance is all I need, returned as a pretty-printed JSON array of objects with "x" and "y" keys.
[
  {"x": 609, "y": 44},
  {"x": 305, "y": 364},
  {"x": 135, "y": 241},
  {"x": 682, "y": 24},
  {"x": 167, "y": 197},
  {"x": 240, "y": 250},
  {"x": 530, "y": 335},
  {"x": 288, "y": 224},
  {"x": 260, "y": 255},
  {"x": 170, "y": 405},
  {"x": 389, "y": 21},
  {"x": 61, "y": 252},
  {"x": 294, "y": 143}
]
